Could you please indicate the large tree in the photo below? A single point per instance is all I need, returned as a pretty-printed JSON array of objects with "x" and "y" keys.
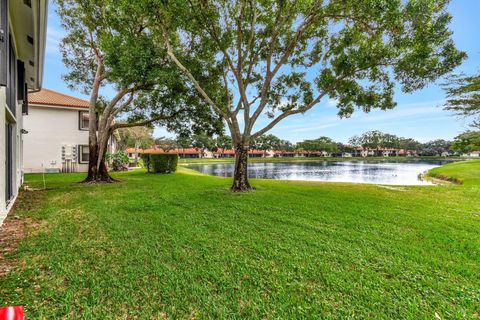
[
  {"x": 375, "y": 140},
  {"x": 463, "y": 97},
  {"x": 134, "y": 137},
  {"x": 321, "y": 144},
  {"x": 266, "y": 142},
  {"x": 279, "y": 58},
  {"x": 435, "y": 147},
  {"x": 106, "y": 47},
  {"x": 467, "y": 142}
]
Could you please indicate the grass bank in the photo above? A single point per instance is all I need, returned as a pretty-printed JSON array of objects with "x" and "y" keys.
[{"x": 182, "y": 246}]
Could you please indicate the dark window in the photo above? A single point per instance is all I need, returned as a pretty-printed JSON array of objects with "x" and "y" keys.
[
  {"x": 83, "y": 154},
  {"x": 20, "y": 80},
  {"x": 8, "y": 162},
  {"x": 25, "y": 99},
  {"x": 83, "y": 120},
  {"x": 3, "y": 42}
]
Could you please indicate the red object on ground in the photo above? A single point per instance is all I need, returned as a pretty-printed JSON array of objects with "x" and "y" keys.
[{"x": 12, "y": 313}]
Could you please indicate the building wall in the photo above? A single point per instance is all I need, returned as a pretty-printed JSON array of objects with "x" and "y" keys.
[
  {"x": 3, "y": 106},
  {"x": 6, "y": 117},
  {"x": 49, "y": 128}
]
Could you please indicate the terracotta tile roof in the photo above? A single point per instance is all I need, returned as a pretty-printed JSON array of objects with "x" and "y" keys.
[
  {"x": 49, "y": 97},
  {"x": 231, "y": 151},
  {"x": 157, "y": 149}
]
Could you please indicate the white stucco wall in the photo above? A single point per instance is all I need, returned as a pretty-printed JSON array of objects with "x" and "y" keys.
[
  {"x": 5, "y": 117},
  {"x": 3, "y": 209},
  {"x": 48, "y": 129}
]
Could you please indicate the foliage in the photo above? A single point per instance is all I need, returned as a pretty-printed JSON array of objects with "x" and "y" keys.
[
  {"x": 274, "y": 59},
  {"x": 160, "y": 162},
  {"x": 435, "y": 147},
  {"x": 134, "y": 137},
  {"x": 223, "y": 142},
  {"x": 106, "y": 46},
  {"x": 285, "y": 145},
  {"x": 145, "y": 157},
  {"x": 467, "y": 142},
  {"x": 320, "y": 144},
  {"x": 203, "y": 141},
  {"x": 463, "y": 96},
  {"x": 166, "y": 144},
  {"x": 182, "y": 247},
  {"x": 409, "y": 144},
  {"x": 375, "y": 139},
  {"x": 266, "y": 142},
  {"x": 118, "y": 161}
]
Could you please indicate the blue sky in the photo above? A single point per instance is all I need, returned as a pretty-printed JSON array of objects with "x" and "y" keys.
[{"x": 418, "y": 115}]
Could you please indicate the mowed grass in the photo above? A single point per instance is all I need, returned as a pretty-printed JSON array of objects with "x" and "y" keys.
[{"x": 181, "y": 246}]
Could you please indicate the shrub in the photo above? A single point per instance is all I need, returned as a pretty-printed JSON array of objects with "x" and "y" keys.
[
  {"x": 145, "y": 157},
  {"x": 118, "y": 161},
  {"x": 160, "y": 162}
]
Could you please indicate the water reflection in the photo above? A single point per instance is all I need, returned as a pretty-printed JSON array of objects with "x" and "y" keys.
[{"x": 377, "y": 172}]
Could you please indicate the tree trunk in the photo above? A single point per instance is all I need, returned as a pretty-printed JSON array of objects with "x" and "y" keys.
[
  {"x": 97, "y": 170},
  {"x": 240, "y": 176}
]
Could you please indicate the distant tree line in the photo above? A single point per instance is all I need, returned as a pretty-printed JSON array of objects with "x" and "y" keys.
[{"x": 374, "y": 140}]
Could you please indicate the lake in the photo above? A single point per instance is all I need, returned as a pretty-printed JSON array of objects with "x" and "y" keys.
[{"x": 389, "y": 172}]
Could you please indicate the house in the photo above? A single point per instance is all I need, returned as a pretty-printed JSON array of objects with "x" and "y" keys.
[
  {"x": 230, "y": 153},
  {"x": 57, "y": 139},
  {"x": 22, "y": 51},
  {"x": 472, "y": 154},
  {"x": 224, "y": 153},
  {"x": 284, "y": 153}
]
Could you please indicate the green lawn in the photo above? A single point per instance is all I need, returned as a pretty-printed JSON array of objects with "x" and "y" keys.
[{"x": 182, "y": 246}]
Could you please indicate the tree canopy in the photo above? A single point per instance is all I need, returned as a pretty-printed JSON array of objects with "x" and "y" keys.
[
  {"x": 467, "y": 142},
  {"x": 463, "y": 96},
  {"x": 134, "y": 137},
  {"x": 276, "y": 58},
  {"x": 320, "y": 144},
  {"x": 106, "y": 47},
  {"x": 375, "y": 139}
]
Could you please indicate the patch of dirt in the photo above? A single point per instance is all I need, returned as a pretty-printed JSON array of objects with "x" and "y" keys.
[
  {"x": 445, "y": 178},
  {"x": 15, "y": 227},
  {"x": 11, "y": 232}
]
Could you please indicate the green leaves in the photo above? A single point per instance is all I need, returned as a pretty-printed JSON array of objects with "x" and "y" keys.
[
  {"x": 282, "y": 57},
  {"x": 467, "y": 141},
  {"x": 116, "y": 36},
  {"x": 463, "y": 96}
]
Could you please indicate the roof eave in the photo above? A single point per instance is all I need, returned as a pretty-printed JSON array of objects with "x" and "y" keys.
[{"x": 41, "y": 17}]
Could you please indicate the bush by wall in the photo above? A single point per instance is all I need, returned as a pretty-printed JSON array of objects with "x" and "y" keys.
[
  {"x": 160, "y": 162},
  {"x": 117, "y": 161}
]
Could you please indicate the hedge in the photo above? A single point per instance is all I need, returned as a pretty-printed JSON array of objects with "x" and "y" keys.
[{"x": 160, "y": 162}]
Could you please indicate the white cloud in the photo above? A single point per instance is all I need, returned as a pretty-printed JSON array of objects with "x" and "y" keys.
[
  {"x": 54, "y": 36},
  {"x": 400, "y": 112}
]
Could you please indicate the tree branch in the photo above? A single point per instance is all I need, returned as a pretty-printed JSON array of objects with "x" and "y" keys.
[
  {"x": 190, "y": 76},
  {"x": 142, "y": 123}
]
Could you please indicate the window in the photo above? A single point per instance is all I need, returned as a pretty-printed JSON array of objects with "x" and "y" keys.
[
  {"x": 83, "y": 120},
  {"x": 83, "y": 154}
]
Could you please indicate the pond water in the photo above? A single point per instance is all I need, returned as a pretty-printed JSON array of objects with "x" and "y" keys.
[{"x": 376, "y": 172}]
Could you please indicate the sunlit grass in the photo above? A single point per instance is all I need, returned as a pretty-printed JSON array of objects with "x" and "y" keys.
[{"x": 182, "y": 246}]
